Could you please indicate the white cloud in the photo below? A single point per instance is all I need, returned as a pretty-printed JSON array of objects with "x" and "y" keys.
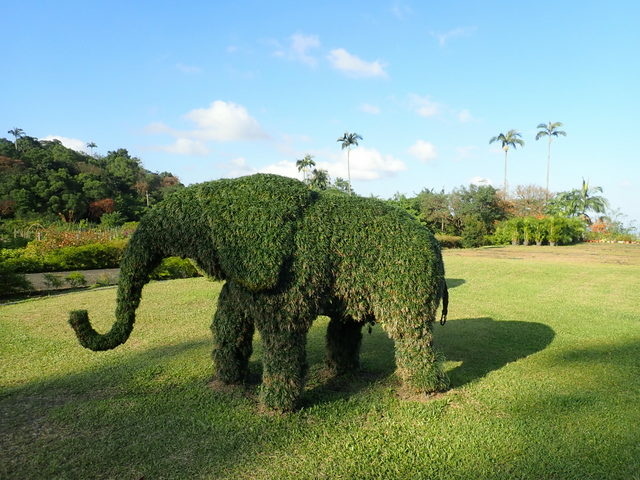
[
  {"x": 423, "y": 105},
  {"x": 188, "y": 69},
  {"x": 462, "y": 153},
  {"x": 237, "y": 167},
  {"x": 301, "y": 44},
  {"x": 354, "y": 66},
  {"x": 224, "y": 122},
  {"x": 370, "y": 109},
  {"x": 423, "y": 151},
  {"x": 297, "y": 49},
  {"x": 480, "y": 181},
  {"x": 366, "y": 164},
  {"x": 72, "y": 143},
  {"x": 401, "y": 10},
  {"x": 159, "y": 128},
  {"x": 464, "y": 116},
  {"x": 186, "y": 146},
  {"x": 443, "y": 38},
  {"x": 220, "y": 122},
  {"x": 286, "y": 168}
]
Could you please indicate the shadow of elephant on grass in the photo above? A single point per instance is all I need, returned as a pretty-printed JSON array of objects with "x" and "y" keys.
[{"x": 482, "y": 345}]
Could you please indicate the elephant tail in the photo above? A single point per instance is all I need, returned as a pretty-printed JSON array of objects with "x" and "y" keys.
[
  {"x": 138, "y": 262},
  {"x": 445, "y": 303}
]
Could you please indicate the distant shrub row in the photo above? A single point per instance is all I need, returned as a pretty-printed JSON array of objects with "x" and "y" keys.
[
  {"x": 539, "y": 231},
  {"x": 83, "y": 257},
  {"x": 449, "y": 241}
]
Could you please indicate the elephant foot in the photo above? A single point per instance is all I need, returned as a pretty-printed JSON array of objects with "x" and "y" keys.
[{"x": 419, "y": 366}]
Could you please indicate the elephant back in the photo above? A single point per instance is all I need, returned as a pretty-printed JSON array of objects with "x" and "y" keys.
[{"x": 252, "y": 221}]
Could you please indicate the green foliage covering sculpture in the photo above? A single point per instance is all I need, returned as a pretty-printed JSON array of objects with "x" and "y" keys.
[{"x": 289, "y": 254}]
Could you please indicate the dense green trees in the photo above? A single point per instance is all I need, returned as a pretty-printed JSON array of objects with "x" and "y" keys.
[
  {"x": 44, "y": 179},
  {"x": 579, "y": 202},
  {"x": 469, "y": 212}
]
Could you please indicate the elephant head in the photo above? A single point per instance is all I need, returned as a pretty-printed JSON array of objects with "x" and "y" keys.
[{"x": 240, "y": 230}]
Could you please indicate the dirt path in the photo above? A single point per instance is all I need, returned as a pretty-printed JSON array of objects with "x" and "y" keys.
[
  {"x": 621, "y": 254},
  {"x": 106, "y": 276}
]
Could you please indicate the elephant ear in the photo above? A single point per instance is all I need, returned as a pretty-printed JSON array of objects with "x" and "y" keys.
[{"x": 253, "y": 222}]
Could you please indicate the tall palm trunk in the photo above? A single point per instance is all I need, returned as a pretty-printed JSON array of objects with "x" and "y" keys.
[
  {"x": 349, "y": 169},
  {"x": 138, "y": 262},
  {"x": 546, "y": 195},
  {"x": 506, "y": 186}
]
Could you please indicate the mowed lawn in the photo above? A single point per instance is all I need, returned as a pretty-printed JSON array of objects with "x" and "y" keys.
[{"x": 542, "y": 347}]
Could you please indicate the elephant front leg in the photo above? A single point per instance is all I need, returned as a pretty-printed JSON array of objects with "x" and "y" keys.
[
  {"x": 284, "y": 368},
  {"x": 232, "y": 338},
  {"x": 344, "y": 337},
  {"x": 418, "y": 364}
]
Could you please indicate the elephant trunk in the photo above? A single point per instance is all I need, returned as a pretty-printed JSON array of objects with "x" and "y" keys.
[{"x": 138, "y": 262}]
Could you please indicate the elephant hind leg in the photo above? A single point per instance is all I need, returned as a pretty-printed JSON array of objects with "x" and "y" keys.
[
  {"x": 419, "y": 365},
  {"x": 344, "y": 338},
  {"x": 232, "y": 337}
]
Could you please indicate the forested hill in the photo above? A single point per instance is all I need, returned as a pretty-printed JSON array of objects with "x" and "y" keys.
[{"x": 44, "y": 179}]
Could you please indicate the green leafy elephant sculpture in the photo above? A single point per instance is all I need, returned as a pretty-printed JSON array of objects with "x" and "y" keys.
[{"x": 288, "y": 254}]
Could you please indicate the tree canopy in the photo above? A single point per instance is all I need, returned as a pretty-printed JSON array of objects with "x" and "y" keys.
[{"x": 41, "y": 178}]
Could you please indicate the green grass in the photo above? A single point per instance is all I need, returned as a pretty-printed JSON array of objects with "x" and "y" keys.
[{"x": 543, "y": 349}]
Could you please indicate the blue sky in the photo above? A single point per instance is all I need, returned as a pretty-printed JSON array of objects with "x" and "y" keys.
[{"x": 218, "y": 89}]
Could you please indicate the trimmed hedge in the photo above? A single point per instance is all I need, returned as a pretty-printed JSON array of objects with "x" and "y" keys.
[
  {"x": 529, "y": 230},
  {"x": 174, "y": 267},
  {"x": 289, "y": 254},
  {"x": 83, "y": 257},
  {"x": 449, "y": 241}
]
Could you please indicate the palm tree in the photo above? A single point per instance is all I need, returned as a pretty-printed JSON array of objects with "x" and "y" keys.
[
  {"x": 577, "y": 202},
  {"x": 319, "y": 179},
  {"x": 550, "y": 130},
  {"x": 348, "y": 140},
  {"x": 588, "y": 201},
  {"x": 17, "y": 133},
  {"x": 509, "y": 139},
  {"x": 304, "y": 164},
  {"x": 91, "y": 146}
]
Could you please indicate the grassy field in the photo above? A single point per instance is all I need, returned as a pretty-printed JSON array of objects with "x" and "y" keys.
[{"x": 542, "y": 347}]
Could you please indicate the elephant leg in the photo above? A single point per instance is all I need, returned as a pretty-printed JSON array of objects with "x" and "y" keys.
[
  {"x": 418, "y": 364},
  {"x": 284, "y": 364},
  {"x": 344, "y": 337},
  {"x": 232, "y": 338}
]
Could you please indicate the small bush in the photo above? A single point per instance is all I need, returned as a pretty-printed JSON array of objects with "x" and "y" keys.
[
  {"x": 174, "y": 267},
  {"x": 104, "y": 280},
  {"x": 473, "y": 233},
  {"x": 76, "y": 279},
  {"x": 449, "y": 241},
  {"x": 12, "y": 282},
  {"x": 555, "y": 230},
  {"x": 540, "y": 230},
  {"x": 112, "y": 220},
  {"x": 86, "y": 257},
  {"x": 52, "y": 281}
]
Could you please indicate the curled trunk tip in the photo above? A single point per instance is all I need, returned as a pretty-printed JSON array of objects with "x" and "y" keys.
[{"x": 89, "y": 338}]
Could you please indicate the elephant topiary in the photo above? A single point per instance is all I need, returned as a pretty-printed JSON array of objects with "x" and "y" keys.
[{"x": 288, "y": 254}]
